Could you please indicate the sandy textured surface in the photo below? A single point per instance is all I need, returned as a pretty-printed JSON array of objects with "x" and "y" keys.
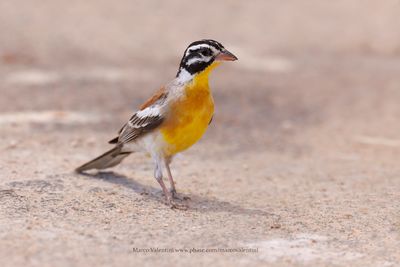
[{"x": 301, "y": 162}]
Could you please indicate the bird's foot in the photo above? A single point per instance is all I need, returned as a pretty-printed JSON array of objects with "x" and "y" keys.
[
  {"x": 174, "y": 205},
  {"x": 175, "y": 195}
]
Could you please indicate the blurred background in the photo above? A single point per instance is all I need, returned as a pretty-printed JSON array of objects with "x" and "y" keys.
[
  {"x": 308, "y": 117},
  {"x": 298, "y": 59},
  {"x": 51, "y": 32}
]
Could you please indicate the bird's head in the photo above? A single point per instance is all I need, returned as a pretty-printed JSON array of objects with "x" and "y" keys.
[{"x": 201, "y": 54}]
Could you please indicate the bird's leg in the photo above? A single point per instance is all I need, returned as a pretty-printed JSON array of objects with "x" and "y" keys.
[
  {"x": 159, "y": 177},
  {"x": 168, "y": 196},
  {"x": 172, "y": 183}
]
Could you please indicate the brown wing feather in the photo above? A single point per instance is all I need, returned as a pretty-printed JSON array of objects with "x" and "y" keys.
[
  {"x": 137, "y": 126},
  {"x": 160, "y": 94}
]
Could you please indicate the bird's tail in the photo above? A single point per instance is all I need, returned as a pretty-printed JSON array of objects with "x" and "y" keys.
[{"x": 109, "y": 159}]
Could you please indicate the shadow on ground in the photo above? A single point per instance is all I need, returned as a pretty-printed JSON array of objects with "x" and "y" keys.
[{"x": 196, "y": 202}]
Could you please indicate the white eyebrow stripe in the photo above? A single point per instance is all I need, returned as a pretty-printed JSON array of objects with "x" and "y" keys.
[
  {"x": 192, "y": 48},
  {"x": 198, "y": 46}
]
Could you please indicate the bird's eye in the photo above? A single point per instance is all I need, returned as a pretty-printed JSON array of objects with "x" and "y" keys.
[{"x": 205, "y": 52}]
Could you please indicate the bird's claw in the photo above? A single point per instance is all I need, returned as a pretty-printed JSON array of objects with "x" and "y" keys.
[{"x": 175, "y": 195}]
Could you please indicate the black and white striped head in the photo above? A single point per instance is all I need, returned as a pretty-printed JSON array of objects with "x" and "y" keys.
[{"x": 201, "y": 54}]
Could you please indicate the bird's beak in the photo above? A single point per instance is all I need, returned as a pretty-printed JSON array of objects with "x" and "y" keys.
[{"x": 225, "y": 55}]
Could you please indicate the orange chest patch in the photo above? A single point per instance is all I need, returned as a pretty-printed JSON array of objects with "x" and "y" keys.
[{"x": 188, "y": 118}]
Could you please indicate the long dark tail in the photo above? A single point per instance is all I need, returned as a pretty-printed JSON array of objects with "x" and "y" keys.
[{"x": 107, "y": 160}]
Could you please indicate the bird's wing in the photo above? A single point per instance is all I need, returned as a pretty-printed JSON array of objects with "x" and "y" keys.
[{"x": 147, "y": 118}]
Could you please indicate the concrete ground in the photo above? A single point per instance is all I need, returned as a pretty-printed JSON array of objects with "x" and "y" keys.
[{"x": 299, "y": 167}]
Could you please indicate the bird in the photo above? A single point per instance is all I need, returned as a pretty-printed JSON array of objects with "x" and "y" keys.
[{"x": 173, "y": 119}]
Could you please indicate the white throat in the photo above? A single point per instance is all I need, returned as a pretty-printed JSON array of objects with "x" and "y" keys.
[{"x": 184, "y": 76}]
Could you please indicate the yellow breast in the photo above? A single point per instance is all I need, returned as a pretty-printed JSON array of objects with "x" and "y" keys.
[{"x": 189, "y": 116}]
